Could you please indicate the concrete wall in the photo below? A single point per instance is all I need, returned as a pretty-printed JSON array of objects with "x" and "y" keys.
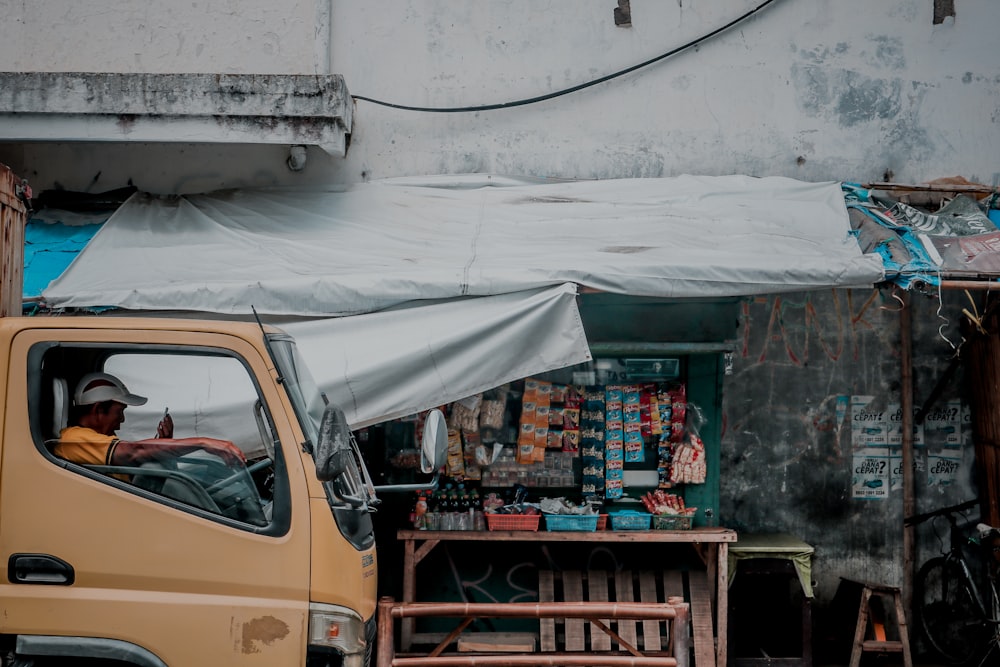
[
  {"x": 847, "y": 90},
  {"x": 787, "y": 455}
]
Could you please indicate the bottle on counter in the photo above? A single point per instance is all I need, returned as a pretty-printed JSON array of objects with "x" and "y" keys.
[
  {"x": 433, "y": 517},
  {"x": 478, "y": 520},
  {"x": 420, "y": 512},
  {"x": 451, "y": 511},
  {"x": 464, "y": 510}
]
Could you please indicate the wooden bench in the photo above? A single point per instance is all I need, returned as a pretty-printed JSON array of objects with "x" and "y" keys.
[{"x": 585, "y": 619}]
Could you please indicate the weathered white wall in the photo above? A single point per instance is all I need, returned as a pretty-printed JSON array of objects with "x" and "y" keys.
[
  {"x": 846, "y": 90},
  {"x": 170, "y": 36}
]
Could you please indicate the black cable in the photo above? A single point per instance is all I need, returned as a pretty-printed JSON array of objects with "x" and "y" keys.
[{"x": 567, "y": 91}]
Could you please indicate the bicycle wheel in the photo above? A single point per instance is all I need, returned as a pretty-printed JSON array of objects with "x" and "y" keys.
[{"x": 948, "y": 616}]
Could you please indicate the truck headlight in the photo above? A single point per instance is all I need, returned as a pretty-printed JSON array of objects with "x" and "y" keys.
[{"x": 336, "y": 627}]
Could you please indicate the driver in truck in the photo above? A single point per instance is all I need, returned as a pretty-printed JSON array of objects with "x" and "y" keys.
[{"x": 98, "y": 411}]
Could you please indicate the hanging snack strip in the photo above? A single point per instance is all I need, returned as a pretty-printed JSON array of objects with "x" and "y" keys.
[
  {"x": 456, "y": 457},
  {"x": 668, "y": 403},
  {"x": 635, "y": 446},
  {"x": 571, "y": 420},
  {"x": 614, "y": 442},
  {"x": 592, "y": 441},
  {"x": 526, "y": 429},
  {"x": 465, "y": 418},
  {"x": 543, "y": 407}
]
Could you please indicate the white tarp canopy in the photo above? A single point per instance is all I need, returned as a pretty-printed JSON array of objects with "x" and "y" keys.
[
  {"x": 365, "y": 247},
  {"x": 413, "y": 253}
]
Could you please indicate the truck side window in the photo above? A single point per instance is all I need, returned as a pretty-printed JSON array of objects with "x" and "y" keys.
[{"x": 108, "y": 411}]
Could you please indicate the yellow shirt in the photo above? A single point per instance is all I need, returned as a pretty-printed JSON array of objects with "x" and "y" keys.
[{"x": 85, "y": 446}]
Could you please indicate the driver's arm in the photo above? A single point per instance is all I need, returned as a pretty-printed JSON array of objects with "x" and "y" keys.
[{"x": 133, "y": 453}]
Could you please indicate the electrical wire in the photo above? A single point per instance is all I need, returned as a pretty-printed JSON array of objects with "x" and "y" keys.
[{"x": 578, "y": 87}]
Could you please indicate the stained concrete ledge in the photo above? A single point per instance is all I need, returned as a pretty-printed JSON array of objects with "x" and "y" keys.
[{"x": 211, "y": 108}]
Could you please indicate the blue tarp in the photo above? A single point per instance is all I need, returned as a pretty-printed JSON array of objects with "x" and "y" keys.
[{"x": 52, "y": 240}]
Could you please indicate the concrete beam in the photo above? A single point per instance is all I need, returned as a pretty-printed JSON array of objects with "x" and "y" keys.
[{"x": 199, "y": 108}]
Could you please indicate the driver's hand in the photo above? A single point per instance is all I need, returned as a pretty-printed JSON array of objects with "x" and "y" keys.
[
  {"x": 165, "y": 429},
  {"x": 225, "y": 450}
]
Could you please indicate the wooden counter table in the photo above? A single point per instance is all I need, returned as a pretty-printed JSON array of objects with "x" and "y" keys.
[{"x": 711, "y": 544}]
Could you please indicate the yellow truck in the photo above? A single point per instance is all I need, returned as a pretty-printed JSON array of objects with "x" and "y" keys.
[{"x": 185, "y": 558}]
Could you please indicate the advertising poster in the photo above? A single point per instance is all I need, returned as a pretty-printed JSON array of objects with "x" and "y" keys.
[
  {"x": 870, "y": 478},
  {"x": 870, "y": 453},
  {"x": 943, "y": 466},
  {"x": 868, "y": 423},
  {"x": 895, "y": 427},
  {"x": 943, "y": 425},
  {"x": 895, "y": 468}
]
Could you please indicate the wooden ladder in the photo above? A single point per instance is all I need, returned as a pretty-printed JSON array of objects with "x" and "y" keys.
[{"x": 867, "y": 614}]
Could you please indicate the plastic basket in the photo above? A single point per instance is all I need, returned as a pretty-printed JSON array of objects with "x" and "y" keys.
[
  {"x": 602, "y": 522},
  {"x": 630, "y": 521},
  {"x": 671, "y": 522},
  {"x": 512, "y": 521},
  {"x": 583, "y": 522}
]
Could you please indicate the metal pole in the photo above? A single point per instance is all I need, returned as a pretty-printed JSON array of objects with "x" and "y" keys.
[{"x": 906, "y": 401}]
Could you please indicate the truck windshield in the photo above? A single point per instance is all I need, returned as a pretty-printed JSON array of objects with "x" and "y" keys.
[
  {"x": 307, "y": 400},
  {"x": 309, "y": 403}
]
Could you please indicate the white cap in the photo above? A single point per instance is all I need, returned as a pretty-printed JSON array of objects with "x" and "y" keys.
[{"x": 100, "y": 387}]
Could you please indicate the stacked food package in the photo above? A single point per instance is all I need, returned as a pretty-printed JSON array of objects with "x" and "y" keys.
[{"x": 542, "y": 434}]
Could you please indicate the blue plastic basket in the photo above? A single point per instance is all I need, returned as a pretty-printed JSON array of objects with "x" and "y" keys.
[
  {"x": 582, "y": 522},
  {"x": 630, "y": 520}
]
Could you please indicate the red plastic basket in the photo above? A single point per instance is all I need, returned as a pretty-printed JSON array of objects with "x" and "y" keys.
[{"x": 512, "y": 521}]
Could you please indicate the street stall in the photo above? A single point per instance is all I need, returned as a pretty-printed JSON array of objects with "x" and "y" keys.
[
  {"x": 575, "y": 332},
  {"x": 620, "y": 451}
]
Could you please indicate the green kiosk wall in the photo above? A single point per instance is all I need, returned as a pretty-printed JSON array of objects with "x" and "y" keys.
[{"x": 700, "y": 333}]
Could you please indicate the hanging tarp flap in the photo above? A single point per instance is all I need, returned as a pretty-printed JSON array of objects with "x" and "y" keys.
[
  {"x": 445, "y": 351},
  {"x": 397, "y": 362},
  {"x": 369, "y": 246}
]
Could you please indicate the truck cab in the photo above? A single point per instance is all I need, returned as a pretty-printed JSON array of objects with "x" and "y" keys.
[{"x": 186, "y": 559}]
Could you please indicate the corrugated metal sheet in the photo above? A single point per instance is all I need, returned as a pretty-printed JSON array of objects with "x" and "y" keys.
[{"x": 12, "y": 220}]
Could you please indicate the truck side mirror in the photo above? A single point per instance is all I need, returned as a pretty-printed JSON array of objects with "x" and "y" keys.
[
  {"x": 333, "y": 450},
  {"x": 434, "y": 443}
]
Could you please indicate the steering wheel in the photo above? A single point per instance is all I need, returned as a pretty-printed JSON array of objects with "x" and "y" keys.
[{"x": 239, "y": 475}]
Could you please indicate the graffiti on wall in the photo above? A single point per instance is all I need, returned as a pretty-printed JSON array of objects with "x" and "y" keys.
[
  {"x": 794, "y": 326},
  {"x": 816, "y": 382}
]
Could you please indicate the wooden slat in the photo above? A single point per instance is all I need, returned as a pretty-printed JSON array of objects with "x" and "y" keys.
[
  {"x": 625, "y": 592},
  {"x": 497, "y": 642},
  {"x": 597, "y": 590},
  {"x": 673, "y": 586},
  {"x": 647, "y": 593},
  {"x": 573, "y": 592},
  {"x": 701, "y": 619},
  {"x": 547, "y": 626}
]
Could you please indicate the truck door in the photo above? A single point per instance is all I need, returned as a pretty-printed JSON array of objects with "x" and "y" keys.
[{"x": 182, "y": 558}]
